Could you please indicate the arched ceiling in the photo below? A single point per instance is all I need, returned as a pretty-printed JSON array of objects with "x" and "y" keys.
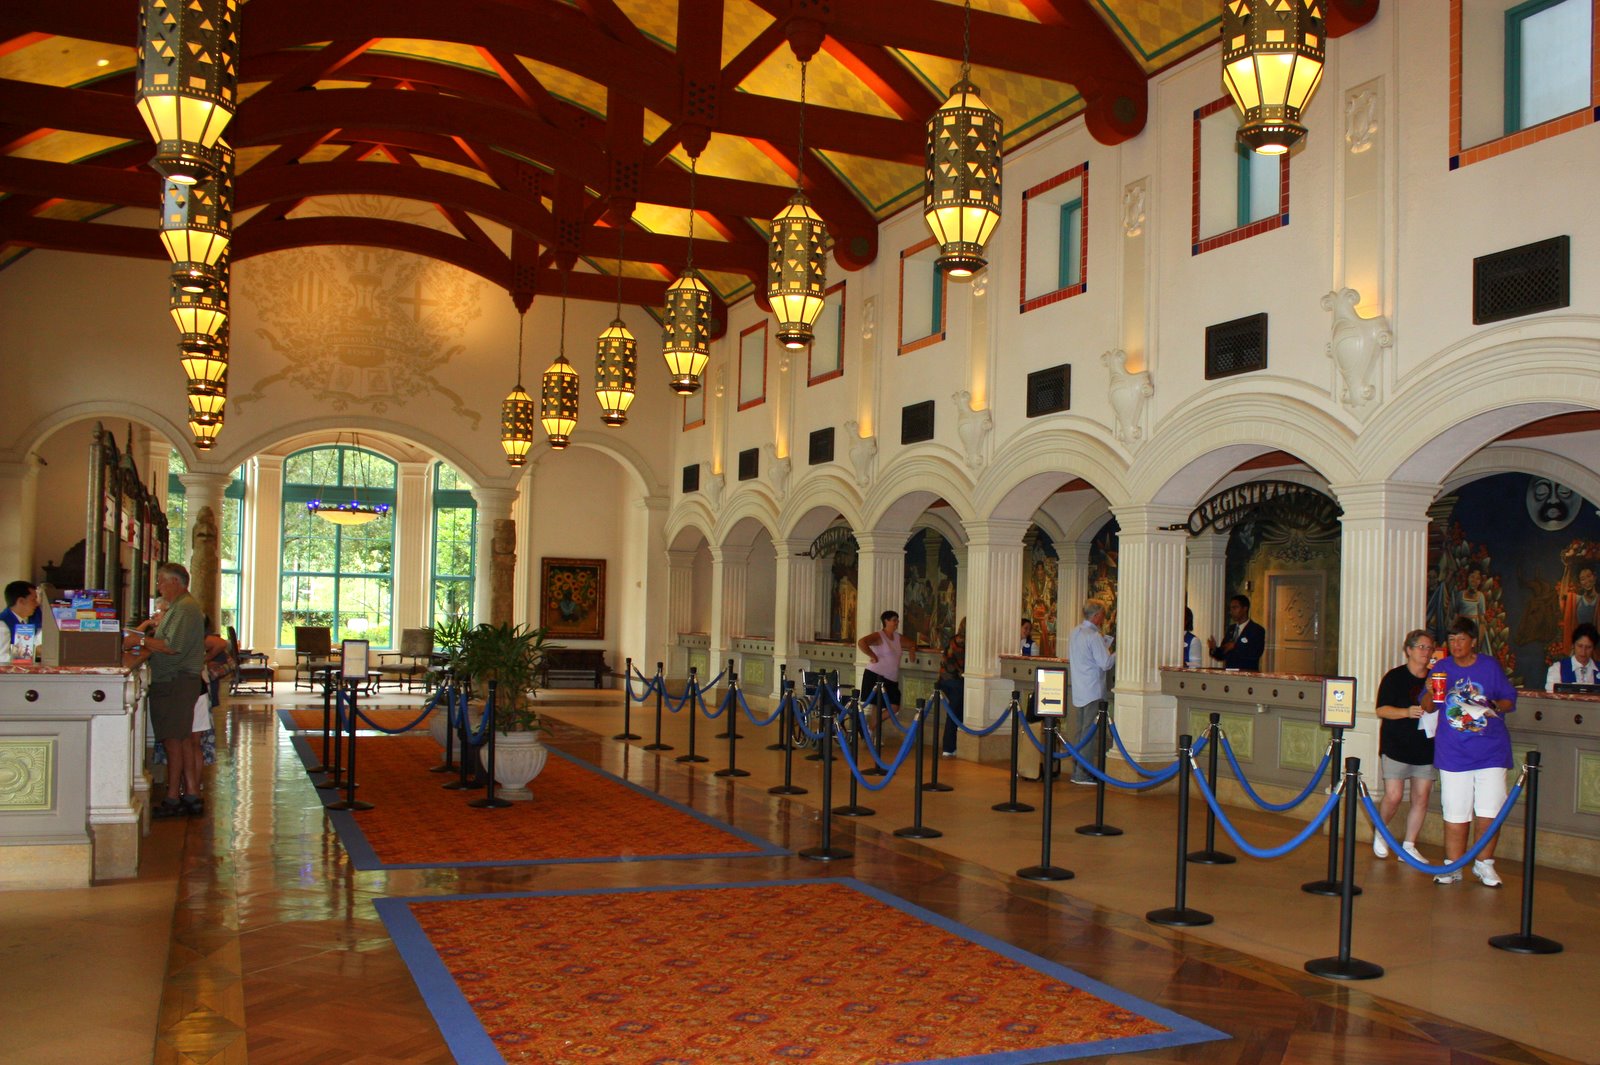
[{"x": 555, "y": 119}]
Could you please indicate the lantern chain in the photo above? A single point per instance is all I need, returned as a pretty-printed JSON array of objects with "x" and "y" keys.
[
  {"x": 800, "y": 163},
  {"x": 966, "y": 43},
  {"x": 694, "y": 172},
  {"x": 522, "y": 322}
]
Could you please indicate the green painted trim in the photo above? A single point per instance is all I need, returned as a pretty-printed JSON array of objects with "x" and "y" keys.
[
  {"x": 1133, "y": 42},
  {"x": 1070, "y": 272},
  {"x": 1515, "y": 16}
]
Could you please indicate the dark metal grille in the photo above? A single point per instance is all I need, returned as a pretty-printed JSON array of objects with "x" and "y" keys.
[
  {"x": 1520, "y": 281},
  {"x": 821, "y": 446},
  {"x": 691, "y": 478},
  {"x": 916, "y": 422},
  {"x": 749, "y": 464},
  {"x": 1050, "y": 390},
  {"x": 1236, "y": 347}
]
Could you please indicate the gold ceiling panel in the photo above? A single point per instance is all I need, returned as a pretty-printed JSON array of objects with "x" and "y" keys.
[
  {"x": 427, "y": 162},
  {"x": 589, "y": 95},
  {"x": 884, "y": 187},
  {"x": 736, "y": 157},
  {"x": 65, "y": 146},
  {"x": 66, "y": 61},
  {"x": 78, "y": 211},
  {"x": 1009, "y": 8},
  {"x": 461, "y": 55},
  {"x": 1161, "y": 31},
  {"x": 742, "y": 22},
  {"x": 828, "y": 83},
  {"x": 654, "y": 19},
  {"x": 1027, "y": 105}
]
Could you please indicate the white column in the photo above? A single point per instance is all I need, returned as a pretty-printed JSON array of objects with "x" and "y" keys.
[
  {"x": 1072, "y": 588},
  {"x": 1208, "y": 584},
  {"x": 524, "y": 604},
  {"x": 680, "y": 611},
  {"x": 204, "y": 489},
  {"x": 730, "y": 574},
  {"x": 645, "y": 603},
  {"x": 794, "y": 613},
  {"x": 881, "y": 569},
  {"x": 493, "y": 504},
  {"x": 993, "y": 578},
  {"x": 1383, "y": 582},
  {"x": 264, "y": 578},
  {"x": 1149, "y": 624},
  {"x": 413, "y": 569},
  {"x": 19, "y": 481},
  {"x": 155, "y": 466}
]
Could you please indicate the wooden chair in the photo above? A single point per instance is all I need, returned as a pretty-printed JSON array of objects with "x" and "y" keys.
[
  {"x": 313, "y": 650},
  {"x": 410, "y": 664},
  {"x": 253, "y": 673}
]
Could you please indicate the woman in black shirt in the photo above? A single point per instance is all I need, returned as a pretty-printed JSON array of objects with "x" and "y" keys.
[{"x": 1406, "y": 751}]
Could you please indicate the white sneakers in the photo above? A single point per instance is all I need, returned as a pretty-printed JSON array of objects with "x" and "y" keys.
[
  {"x": 1484, "y": 871},
  {"x": 1411, "y": 849},
  {"x": 1448, "y": 878},
  {"x": 1379, "y": 848}
]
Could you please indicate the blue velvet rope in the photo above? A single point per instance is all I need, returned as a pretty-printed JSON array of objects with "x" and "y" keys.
[
  {"x": 649, "y": 685},
  {"x": 714, "y": 681},
  {"x": 869, "y": 739},
  {"x": 962, "y": 725},
  {"x": 878, "y": 696},
  {"x": 1154, "y": 780},
  {"x": 913, "y": 735},
  {"x": 1162, "y": 774},
  {"x": 477, "y": 736},
  {"x": 1268, "y": 852},
  {"x": 1440, "y": 870},
  {"x": 426, "y": 710},
  {"x": 800, "y": 719},
  {"x": 1075, "y": 753},
  {"x": 1276, "y": 807},
  {"x": 690, "y": 691},
  {"x": 753, "y": 719},
  {"x": 722, "y": 707}
]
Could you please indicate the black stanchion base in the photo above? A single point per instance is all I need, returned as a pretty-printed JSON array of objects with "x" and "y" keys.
[
  {"x": 874, "y": 771},
  {"x": 691, "y": 758},
  {"x": 456, "y": 785},
  {"x": 1215, "y": 857},
  {"x": 731, "y": 773},
  {"x": 918, "y": 832},
  {"x": 774, "y": 747},
  {"x": 1045, "y": 872},
  {"x": 316, "y": 769},
  {"x": 627, "y": 736},
  {"x": 824, "y": 854},
  {"x": 1331, "y": 888},
  {"x": 486, "y": 803},
  {"x": 834, "y": 758},
  {"x": 724, "y": 735},
  {"x": 658, "y": 746},
  {"x": 940, "y": 786},
  {"x": 350, "y": 804},
  {"x": 446, "y": 767},
  {"x": 1174, "y": 917},
  {"x": 1336, "y": 968},
  {"x": 854, "y": 809},
  {"x": 331, "y": 782},
  {"x": 1012, "y": 808},
  {"x": 1098, "y": 829},
  {"x": 787, "y": 789},
  {"x": 1517, "y": 943}
]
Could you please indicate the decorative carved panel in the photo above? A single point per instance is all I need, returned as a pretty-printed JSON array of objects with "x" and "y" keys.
[{"x": 27, "y": 774}]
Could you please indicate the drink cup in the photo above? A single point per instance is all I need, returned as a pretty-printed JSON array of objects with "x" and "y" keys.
[{"x": 1436, "y": 686}]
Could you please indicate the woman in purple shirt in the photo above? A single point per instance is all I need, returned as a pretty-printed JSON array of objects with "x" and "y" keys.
[{"x": 1472, "y": 747}]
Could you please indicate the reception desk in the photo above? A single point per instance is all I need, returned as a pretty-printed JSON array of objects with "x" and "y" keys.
[{"x": 72, "y": 785}]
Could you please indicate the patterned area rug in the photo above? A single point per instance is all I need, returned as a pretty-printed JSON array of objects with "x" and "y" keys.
[
  {"x": 579, "y": 813},
  {"x": 309, "y": 719},
  {"x": 823, "y": 971}
]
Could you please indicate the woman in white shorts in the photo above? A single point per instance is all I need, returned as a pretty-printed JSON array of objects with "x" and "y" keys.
[{"x": 1406, "y": 750}]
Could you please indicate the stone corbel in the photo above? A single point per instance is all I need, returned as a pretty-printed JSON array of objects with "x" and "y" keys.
[
  {"x": 1356, "y": 344},
  {"x": 1128, "y": 393},
  {"x": 863, "y": 453},
  {"x": 974, "y": 427},
  {"x": 712, "y": 485},
  {"x": 778, "y": 470}
]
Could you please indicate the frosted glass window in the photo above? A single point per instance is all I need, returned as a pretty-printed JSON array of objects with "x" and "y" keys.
[{"x": 1548, "y": 54}]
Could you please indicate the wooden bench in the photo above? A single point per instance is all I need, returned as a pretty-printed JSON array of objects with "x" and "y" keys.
[{"x": 576, "y": 666}]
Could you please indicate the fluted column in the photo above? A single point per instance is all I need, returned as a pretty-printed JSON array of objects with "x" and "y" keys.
[
  {"x": 794, "y": 614},
  {"x": 413, "y": 509},
  {"x": 203, "y": 490},
  {"x": 264, "y": 581},
  {"x": 730, "y": 576},
  {"x": 19, "y": 481},
  {"x": 646, "y": 608},
  {"x": 1383, "y": 582},
  {"x": 1208, "y": 584},
  {"x": 994, "y": 595},
  {"x": 494, "y": 587},
  {"x": 1072, "y": 588},
  {"x": 680, "y": 609},
  {"x": 1149, "y": 624},
  {"x": 881, "y": 567}
]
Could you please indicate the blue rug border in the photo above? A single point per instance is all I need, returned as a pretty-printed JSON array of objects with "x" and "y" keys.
[
  {"x": 469, "y": 1041},
  {"x": 365, "y": 859}
]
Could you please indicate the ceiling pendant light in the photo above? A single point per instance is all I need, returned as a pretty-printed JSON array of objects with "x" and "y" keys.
[
  {"x": 516, "y": 411},
  {"x": 1272, "y": 56},
  {"x": 201, "y": 317},
  {"x": 355, "y": 511},
  {"x": 616, "y": 357},
  {"x": 686, "y": 319},
  {"x": 197, "y": 222},
  {"x": 558, "y": 396},
  {"x": 961, "y": 188},
  {"x": 797, "y": 266},
  {"x": 188, "y": 81}
]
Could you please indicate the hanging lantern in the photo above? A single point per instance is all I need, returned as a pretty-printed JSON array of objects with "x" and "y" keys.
[
  {"x": 188, "y": 80},
  {"x": 961, "y": 187},
  {"x": 200, "y": 316},
  {"x": 205, "y": 434},
  {"x": 616, "y": 363},
  {"x": 516, "y": 413},
  {"x": 207, "y": 398},
  {"x": 686, "y": 333},
  {"x": 797, "y": 270},
  {"x": 558, "y": 395},
  {"x": 1272, "y": 56},
  {"x": 206, "y": 367},
  {"x": 197, "y": 221}
]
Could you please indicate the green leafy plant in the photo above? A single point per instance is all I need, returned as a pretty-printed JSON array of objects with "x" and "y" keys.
[
  {"x": 448, "y": 637},
  {"x": 513, "y": 657}
]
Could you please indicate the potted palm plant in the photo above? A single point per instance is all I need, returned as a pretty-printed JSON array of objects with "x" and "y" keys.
[
  {"x": 512, "y": 657},
  {"x": 448, "y": 636}
]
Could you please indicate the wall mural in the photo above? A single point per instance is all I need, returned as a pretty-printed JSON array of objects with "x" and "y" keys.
[
  {"x": 1040, "y": 572},
  {"x": 929, "y": 614},
  {"x": 1525, "y": 572},
  {"x": 360, "y": 328},
  {"x": 1103, "y": 551},
  {"x": 1286, "y": 545},
  {"x": 840, "y": 555}
]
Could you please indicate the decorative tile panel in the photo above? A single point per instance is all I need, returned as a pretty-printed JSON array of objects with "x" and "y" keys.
[
  {"x": 1588, "y": 782},
  {"x": 755, "y": 673},
  {"x": 701, "y": 662},
  {"x": 1300, "y": 744},
  {"x": 1240, "y": 728},
  {"x": 27, "y": 774}
]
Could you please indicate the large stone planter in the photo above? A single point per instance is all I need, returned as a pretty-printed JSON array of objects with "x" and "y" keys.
[
  {"x": 518, "y": 758},
  {"x": 438, "y": 724}
]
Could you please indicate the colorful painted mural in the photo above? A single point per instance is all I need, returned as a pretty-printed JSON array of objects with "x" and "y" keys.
[
  {"x": 929, "y": 613},
  {"x": 1103, "y": 551},
  {"x": 1040, "y": 573}
]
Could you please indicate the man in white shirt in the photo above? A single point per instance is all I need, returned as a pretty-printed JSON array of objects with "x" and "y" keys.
[
  {"x": 1028, "y": 646},
  {"x": 1579, "y": 668},
  {"x": 1090, "y": 658}
]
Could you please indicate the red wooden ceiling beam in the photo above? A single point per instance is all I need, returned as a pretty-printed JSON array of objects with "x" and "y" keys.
[
  {"x": 891, "y": 82},
  {"x": 1346, "y": 16},
  {"x": 311, "y": 67}
]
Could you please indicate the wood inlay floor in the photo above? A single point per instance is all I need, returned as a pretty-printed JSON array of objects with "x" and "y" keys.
[{"x": 277, "y": 954}]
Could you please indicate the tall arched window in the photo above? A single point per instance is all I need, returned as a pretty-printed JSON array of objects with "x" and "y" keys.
[
  {"x": 337, "y": 576},
  {"x": 230, "y": 541},
  {"x": 455, "y": 542}
]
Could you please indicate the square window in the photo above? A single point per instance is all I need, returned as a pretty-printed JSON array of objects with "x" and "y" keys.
[
  {"x": 1055, "y": 234},
  {"x": 753, "y": 366},
  {"x": 922, "y": 297},
  {"x": 827, "y": 350},
  {"x": 1237, "y": 193}
]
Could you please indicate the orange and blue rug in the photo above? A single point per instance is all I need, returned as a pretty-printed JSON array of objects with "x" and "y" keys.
[
  {"x": 823, "y": 971},
  {"x": 309, "y": 718},
  {"x": 579, "y": 813}
]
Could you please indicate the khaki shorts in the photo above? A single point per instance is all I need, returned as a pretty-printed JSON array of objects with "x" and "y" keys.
[{"x": 172, "y": 706}]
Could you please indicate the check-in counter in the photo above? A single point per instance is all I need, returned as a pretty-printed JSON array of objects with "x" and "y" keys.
[{"x": 72, "y": 785}]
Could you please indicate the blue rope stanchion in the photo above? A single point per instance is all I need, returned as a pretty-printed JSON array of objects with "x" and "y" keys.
[
  {"x": 1449, "y": 867},
  {"x": 649, "y": 685},
  {"x": 757, "y": 722},
  {"x": 1275, "y": 807},
  {"x": 426, "y": 710},
  {"x": 1313, "y": 827},
  {"x": 905, "y": 749}
]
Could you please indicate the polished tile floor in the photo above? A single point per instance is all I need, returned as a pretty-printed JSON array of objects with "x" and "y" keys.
[{"x": 275, "y": 953}]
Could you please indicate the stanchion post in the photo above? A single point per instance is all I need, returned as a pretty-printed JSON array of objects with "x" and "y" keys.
[
  {"x": 627, "y": 732},
  {"x": 1045, "y": 870},
  {"x": 466, "y": 779},
  {"x": 350, "y": 802},
  {"x": 490, "y": 801},
  {"x": 1331, "y": 886},
  {"x": 732, "y": 733},
  {"x": 825, "y": 851},
  {"x": 335, "y": 778},
  {"x": 692, "y": 701},
  {"x": 1099, "y": 827},
  {"x": 1342, "y": 966},
  {"x": 788, "y": 787},
  {"x": 918, "y": 830},
  {"x": 853, "y": 808},
  {"x": 783, "y": 718},
  {"x": 322, "y": 763},
  {"x": 733, "y": 726},
  {"x": 1524, "y": 941},
  {"x": 937, "y": 741},
  {"x": 447, "y": 693},
  {"x": 1209, "y": 855},
  {"x": 878, "y": 697},
  {"x": 661, "y": 690},
  {"x": 1011, "y": 805},
  {"x": 1179, "y": 915}
]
